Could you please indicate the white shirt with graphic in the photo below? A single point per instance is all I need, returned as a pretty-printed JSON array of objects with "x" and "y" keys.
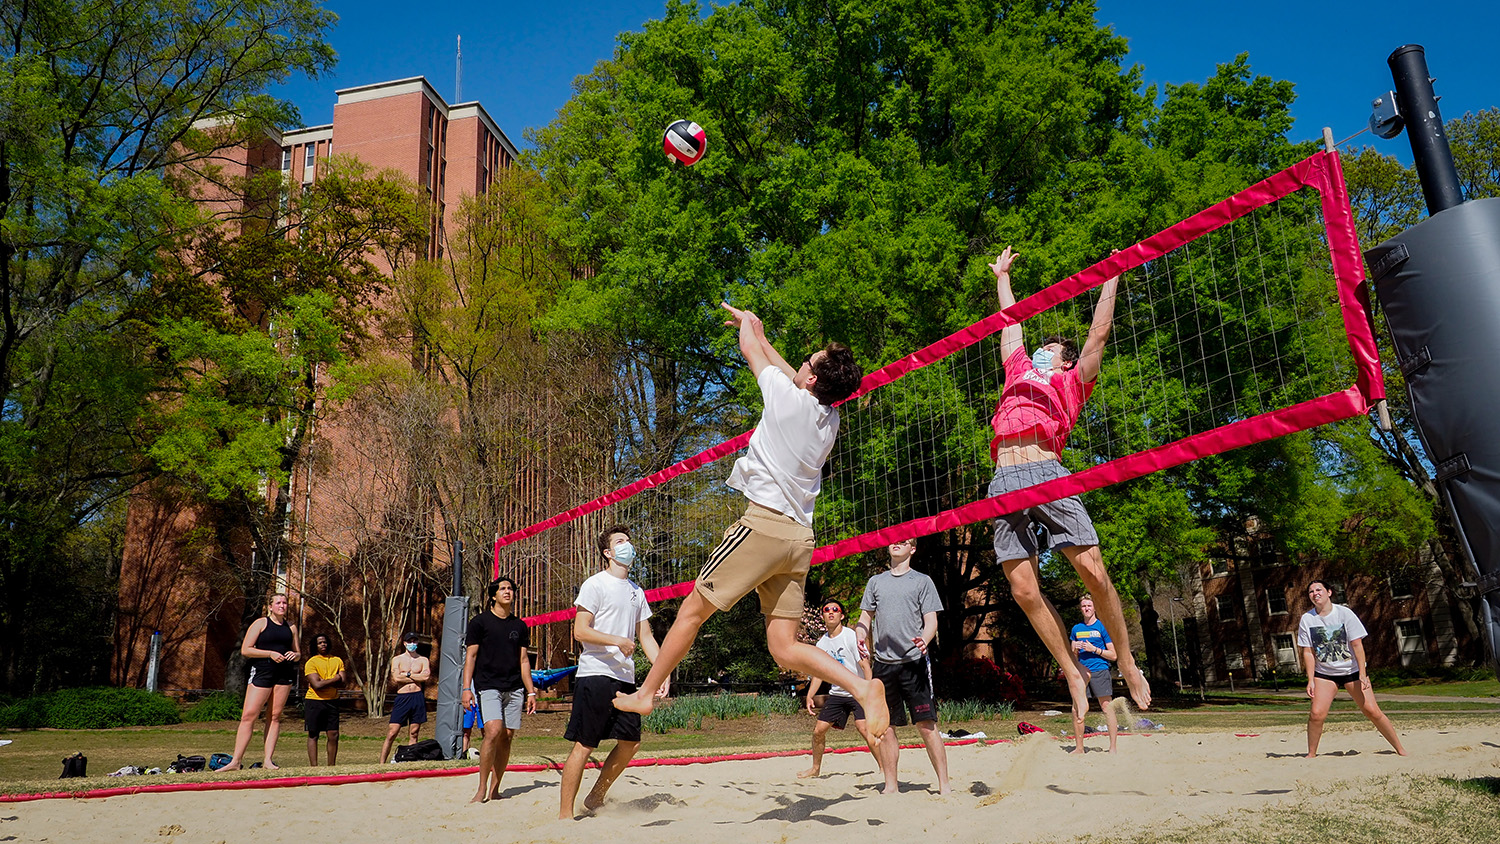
[
  {"x": 619, "y": 606},
  {"x": 1330, "y": 638},
  {"x": 844, "y": 648}
]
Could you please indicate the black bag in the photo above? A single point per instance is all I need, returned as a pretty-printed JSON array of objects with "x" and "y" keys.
[
  {"x": 76, "y": 765},
  {"x": 426, "y": 750},
  {"x": 187, "y": 764}
]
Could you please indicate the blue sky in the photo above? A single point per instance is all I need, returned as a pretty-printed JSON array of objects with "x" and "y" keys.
[{"x": 520, "y": 59}]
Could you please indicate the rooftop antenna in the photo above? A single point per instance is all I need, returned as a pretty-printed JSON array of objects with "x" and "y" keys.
[{"x": 458, "y": 73}]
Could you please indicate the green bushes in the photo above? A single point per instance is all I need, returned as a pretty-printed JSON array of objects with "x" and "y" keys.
[
  {"x": 689, "y": 711},
  {"x": 954, "y": 711},
  {"x": 219, "y": 706},
  {"x": 91, "y": 709}
]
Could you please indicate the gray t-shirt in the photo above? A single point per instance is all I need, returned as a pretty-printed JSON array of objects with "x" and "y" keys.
[{"x": 898, "y": 604}]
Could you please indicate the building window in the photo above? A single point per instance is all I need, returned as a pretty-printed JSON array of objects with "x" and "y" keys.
[
  {"x": 1286, "y": 649},
  {"x": 1234, "y": 661},
  {"x": 1409, "y": 636},
  {"x": 1218, "y": 566},
  {"x": 286, "y": 159},
  {"x": 1276, "y": 601},
  {"x": 1337, "y": 591},
  {"x": 1225, "y": 605},
  {"x": 1401, "y": 586},
  {"x": 312, "y": 156}
]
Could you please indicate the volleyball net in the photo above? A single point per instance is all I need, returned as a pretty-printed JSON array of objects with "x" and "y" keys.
[{"x": 1245, "y": 322}]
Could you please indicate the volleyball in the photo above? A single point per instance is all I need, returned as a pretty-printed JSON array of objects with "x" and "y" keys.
[{"x": 684, "y": 142}]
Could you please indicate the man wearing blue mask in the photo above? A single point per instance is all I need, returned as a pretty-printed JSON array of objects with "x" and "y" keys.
[
  {"x": 612, "y": 615},
  {"x": 1038, "y": 408},
  {"x": 410, "y": 672}
]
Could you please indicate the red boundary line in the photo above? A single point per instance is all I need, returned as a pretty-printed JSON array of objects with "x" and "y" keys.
[
  {"x": 1320, "y": 171},
  {"x": 388, "y": 776}
]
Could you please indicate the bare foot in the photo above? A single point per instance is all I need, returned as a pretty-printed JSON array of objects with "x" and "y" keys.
[
  {"x": 877, "y": 714},
  {"x": 232, "y": 766},
  {"x": 479, "y": 797},
  {"x": 591, "y": 804},
  {"x": 810, "y": 772},
  {"x": 271, "y": 766},
  {"x": 1311, "y": 756},
  {"x": 1077, "y": 751},
  {"x": 890, "y": 789},
  {"x": 946, "y": 789},
  {"x": 1140, "y": 690},
  {"x": 639, "y": 703}
]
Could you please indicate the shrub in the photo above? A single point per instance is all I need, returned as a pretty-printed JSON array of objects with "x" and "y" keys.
[
  {"x": 28, "y": 714},
  {"x": 954, "y": 711},
  {"x": 219, "y": 706},
  {"x": 959, "y": 678},
  {"x": 91, "y": 709}
]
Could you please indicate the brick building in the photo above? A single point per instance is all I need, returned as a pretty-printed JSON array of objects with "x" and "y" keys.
[
  {"x": 1237, "y": 615},
  {"x": 168, "y": 580}
]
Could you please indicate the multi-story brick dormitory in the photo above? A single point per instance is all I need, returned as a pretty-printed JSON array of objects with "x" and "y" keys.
[{"x": 168, "y": 582}]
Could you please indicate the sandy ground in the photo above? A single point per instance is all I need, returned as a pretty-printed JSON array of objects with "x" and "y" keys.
[{"x": 1010, "y": 792}]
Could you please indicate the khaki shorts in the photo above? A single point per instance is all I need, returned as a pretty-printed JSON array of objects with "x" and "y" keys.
[{"x": 765, "y": 552}]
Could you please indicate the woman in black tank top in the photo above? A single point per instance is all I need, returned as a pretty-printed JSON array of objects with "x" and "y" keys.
[{"x": 271, "y": 647}]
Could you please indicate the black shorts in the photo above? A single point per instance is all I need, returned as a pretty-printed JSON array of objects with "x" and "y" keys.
[
  {"x": 908, "y": 683},
  {"x": 837, "y": 708},
  {"x": 410, "y": 708},
  {"x": 268, "y": 674},
  {"x": 320, "y": 716},
  {"x": 595, "y": 718},
  {"x": 1339, "y": 680}
]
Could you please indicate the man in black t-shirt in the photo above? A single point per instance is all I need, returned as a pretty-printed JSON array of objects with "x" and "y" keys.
[{"x": 497, "y": 668}]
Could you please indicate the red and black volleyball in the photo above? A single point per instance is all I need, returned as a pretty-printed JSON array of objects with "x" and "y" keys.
[{"x": 684, "y": 142}]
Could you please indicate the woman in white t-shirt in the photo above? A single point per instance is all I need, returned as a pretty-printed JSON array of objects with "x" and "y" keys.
[{"x": 1333, "y": 652}]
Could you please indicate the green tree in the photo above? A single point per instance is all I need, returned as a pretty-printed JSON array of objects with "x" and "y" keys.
[{"x": 99, "y": 101}]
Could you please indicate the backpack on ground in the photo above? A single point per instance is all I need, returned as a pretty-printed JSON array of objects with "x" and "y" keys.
[
  {"x": 187, "y": 764},
  {"x": 218, "y": 760},
  {"x": 1026, "y": 729},
  {"x": 76, "y": 765},
  {"x": 426, "y": 750}
]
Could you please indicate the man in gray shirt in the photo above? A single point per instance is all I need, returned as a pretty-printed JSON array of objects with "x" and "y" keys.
[{"x": 903, "y": 605}]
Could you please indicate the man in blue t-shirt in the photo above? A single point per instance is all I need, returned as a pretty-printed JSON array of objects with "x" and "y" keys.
[{"x": 1095, "y": 652}]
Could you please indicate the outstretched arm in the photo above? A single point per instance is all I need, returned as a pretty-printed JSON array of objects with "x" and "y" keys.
[
  {"x": 1010, "y": 335},
  {"x": 1092, "y": 356},
  {"x": 758, "y": 351}
]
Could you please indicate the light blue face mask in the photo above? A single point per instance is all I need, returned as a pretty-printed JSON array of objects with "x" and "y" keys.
[
  {"x": 625, "y": 554},
  {"x": 1042, "y": 360}
]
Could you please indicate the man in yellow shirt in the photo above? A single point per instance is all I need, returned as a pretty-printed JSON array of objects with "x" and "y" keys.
[{"x": 325, "y": 674}]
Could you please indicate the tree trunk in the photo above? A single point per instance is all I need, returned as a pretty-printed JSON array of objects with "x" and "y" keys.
[{"x": 1156, "y": 655}]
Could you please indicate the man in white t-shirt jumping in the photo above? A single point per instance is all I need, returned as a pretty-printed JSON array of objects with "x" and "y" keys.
[
  {"x": 1332, "y": 639},
  {"x": 769, "y": 550},
  {"x": 612, "y": 615},
  {"x": 839, "y": 706}
]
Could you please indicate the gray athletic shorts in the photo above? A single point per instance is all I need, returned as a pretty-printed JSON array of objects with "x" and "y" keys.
[
  {"x": 1101, "y": 683},
  {"x": 497, "y": 706},
  {"x": 1064, "y": 521}
]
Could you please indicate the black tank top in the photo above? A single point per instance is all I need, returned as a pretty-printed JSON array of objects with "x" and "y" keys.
[{"x": 276, "y": 638}]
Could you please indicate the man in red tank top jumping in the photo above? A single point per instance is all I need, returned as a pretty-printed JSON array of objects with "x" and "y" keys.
[{"x": 1038, "y": 408}]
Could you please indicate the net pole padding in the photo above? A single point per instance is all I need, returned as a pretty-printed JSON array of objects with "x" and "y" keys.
[{"x": 1320, "y": 171}]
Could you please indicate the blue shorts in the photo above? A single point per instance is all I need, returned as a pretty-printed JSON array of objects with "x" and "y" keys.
[
  {"x": 471, "y": 715},
  {"x": 410, "y": 708}
]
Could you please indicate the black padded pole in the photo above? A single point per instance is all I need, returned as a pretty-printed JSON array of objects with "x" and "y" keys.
[{"x": 1424, "y": 128}]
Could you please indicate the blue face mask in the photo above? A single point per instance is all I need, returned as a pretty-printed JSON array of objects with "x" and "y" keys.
[
  {"x": 411, "y": 647},
  {"x": 1042, "y": 360},
  {"x": 625, "y": 554}
]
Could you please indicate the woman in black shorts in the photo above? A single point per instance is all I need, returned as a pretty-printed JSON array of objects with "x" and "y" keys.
[{"x": 271, "y": 647}]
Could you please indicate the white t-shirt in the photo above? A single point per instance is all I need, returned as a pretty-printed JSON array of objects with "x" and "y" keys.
[
  {"x": 1330, "y": 638},
  {"x": 844, "y": 648},
  {"x": 619, "y": 606},
  {"x": 783, "y": 467}
]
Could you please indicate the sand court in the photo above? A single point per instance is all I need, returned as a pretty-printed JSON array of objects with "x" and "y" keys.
[{"x": 1028, "y": 790}]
